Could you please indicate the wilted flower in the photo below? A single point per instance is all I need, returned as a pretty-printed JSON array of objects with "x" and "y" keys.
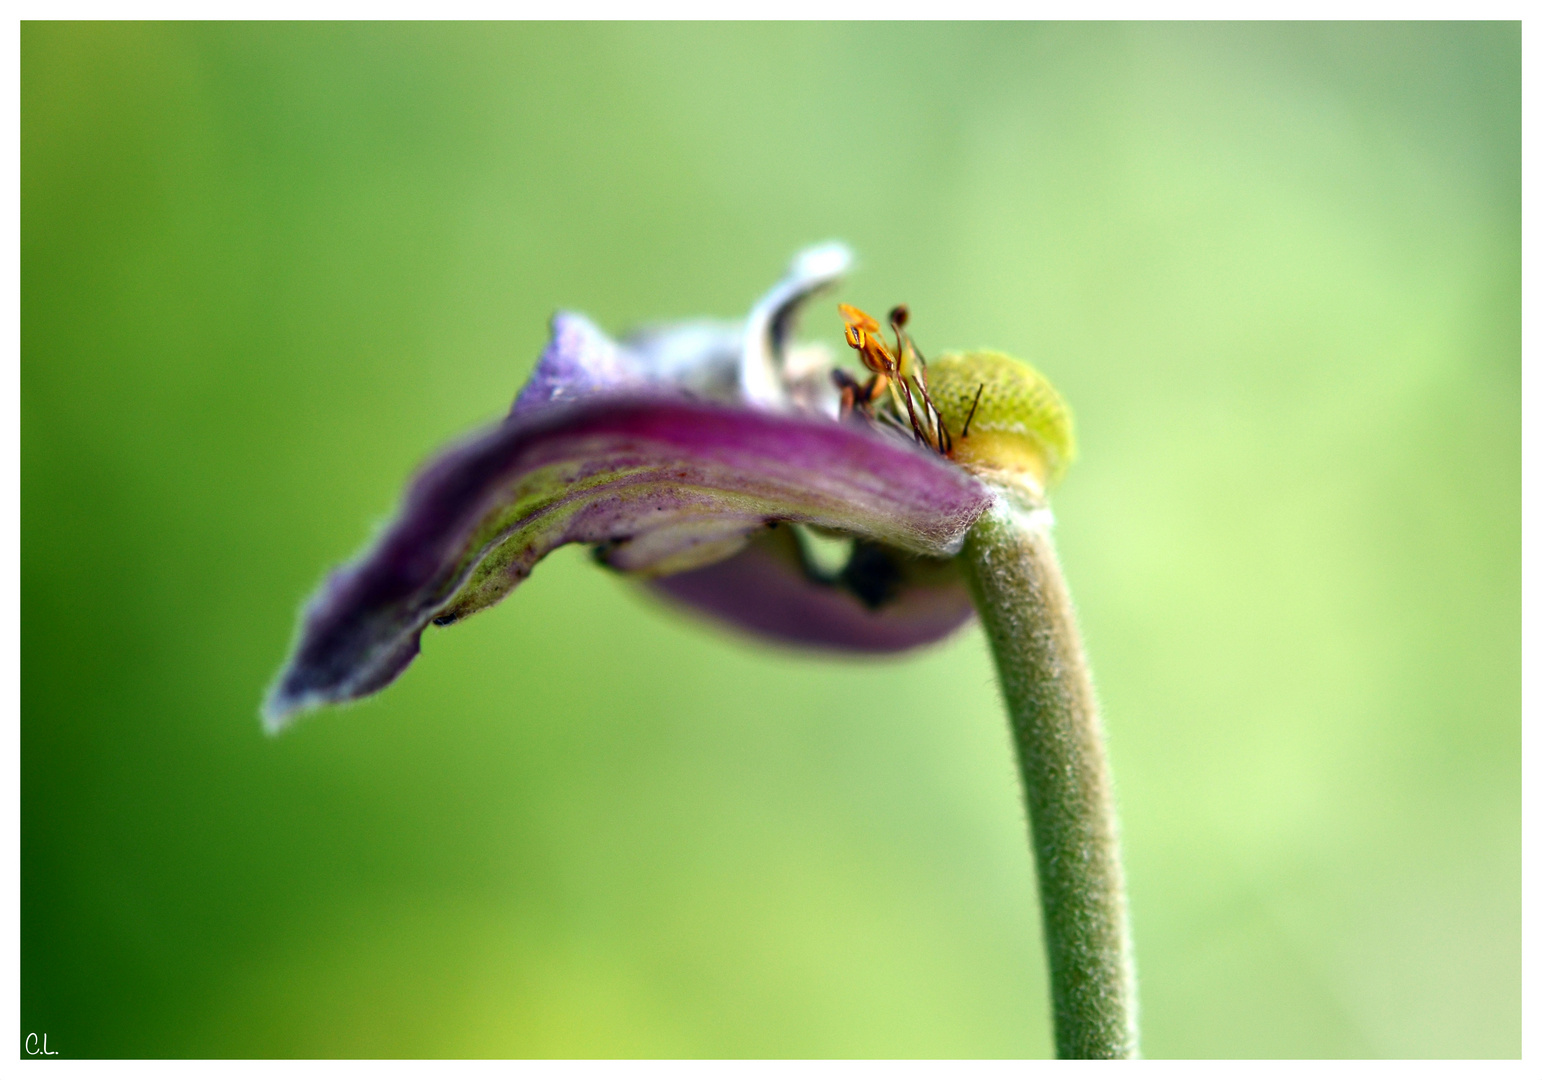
[
  {"x": 702, "y": 458},
  {"x": 693, "y": 456}
]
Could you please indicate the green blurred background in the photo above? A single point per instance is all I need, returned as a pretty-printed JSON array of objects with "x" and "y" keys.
[{"x": 267, "y": 269}]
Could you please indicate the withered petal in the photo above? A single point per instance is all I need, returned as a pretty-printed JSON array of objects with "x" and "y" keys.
[
  {"x": 883, "y": 601},
  {"x": 733, "y": 362},
  {"x": 665, "y": 483}
]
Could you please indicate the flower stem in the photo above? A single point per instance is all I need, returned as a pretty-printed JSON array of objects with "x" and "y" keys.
[{"x": 1022, "y": 599}]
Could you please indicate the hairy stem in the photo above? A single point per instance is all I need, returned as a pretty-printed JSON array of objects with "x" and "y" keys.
[{"x": 1023, "y": 603}]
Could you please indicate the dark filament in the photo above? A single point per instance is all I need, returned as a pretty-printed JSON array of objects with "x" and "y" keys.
[{"x": 972, "y": 408}]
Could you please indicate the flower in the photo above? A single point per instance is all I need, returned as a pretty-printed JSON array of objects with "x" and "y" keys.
[{"x": 690, "y": 455}]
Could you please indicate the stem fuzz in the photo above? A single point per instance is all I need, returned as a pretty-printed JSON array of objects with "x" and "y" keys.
[{"x": 1023, "y": 602}]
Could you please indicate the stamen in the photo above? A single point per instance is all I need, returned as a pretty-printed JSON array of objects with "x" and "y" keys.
[
  {"x": 972, "y": 408},
  {"x": 893, "y": 372}
]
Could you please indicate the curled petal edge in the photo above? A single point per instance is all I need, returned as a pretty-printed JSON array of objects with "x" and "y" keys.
[
  {"x": 733, "y": 362},
  {"x": 663, "y": 485}
]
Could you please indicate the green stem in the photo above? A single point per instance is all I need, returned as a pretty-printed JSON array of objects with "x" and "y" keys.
[{"x": 1022, "y": 599}]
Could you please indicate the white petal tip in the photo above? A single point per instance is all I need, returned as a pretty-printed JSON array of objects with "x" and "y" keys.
[{"x": 822, "y": 261}]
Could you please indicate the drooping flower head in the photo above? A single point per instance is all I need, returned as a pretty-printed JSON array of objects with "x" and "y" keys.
[{"x": 698, "y": 457}]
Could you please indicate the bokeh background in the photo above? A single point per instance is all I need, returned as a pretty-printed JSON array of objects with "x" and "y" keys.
[{"x": 268, "y": 269}]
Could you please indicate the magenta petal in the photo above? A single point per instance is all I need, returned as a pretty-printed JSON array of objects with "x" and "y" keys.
[
  {"x": 666, "y": 484},
  {"x": 768, "y": 590}
]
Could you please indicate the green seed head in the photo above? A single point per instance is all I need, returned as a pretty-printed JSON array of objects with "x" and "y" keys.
[{"x": 1021, "y": 426}]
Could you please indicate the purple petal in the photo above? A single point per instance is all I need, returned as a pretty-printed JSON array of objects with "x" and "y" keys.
[
  {"x": 723, "y": 361},
  {"x": 882, "y": 602},
  {"x": 579, "y": 361},
  {"x": 665, "y": 484}
]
